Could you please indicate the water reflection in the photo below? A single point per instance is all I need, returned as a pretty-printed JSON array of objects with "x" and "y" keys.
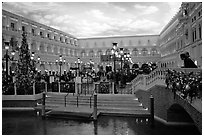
[
  {"x": 23, "y": 123},
  {"x": 95, "y": 127}
]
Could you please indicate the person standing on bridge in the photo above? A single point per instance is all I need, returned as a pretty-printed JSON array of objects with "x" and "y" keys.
[{"x": 188, "y": 63}]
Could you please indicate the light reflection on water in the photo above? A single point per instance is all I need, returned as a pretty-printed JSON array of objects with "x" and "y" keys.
[{"x": 26, "y": 123}]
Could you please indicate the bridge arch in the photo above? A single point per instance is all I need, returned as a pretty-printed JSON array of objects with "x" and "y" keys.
[{"x": 176, "y": 113}]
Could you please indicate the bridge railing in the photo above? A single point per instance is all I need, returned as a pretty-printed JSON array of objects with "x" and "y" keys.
[
  {"x": 156, "y": 77},
  {"x": 144, "y": 82}
]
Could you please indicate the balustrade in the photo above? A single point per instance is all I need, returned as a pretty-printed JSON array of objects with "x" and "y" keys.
[
  {"x": 37, "y": 88},
  {"x": 156, "y": 77}
]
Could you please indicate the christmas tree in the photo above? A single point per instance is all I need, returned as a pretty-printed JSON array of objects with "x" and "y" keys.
[{"x": 25, "y": 70}]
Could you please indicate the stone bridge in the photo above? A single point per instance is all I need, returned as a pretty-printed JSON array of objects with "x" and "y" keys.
[{"x": 168, "y": 107}]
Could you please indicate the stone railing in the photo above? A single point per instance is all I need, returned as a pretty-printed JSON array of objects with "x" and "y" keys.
[
  {"x": 156, "y": 77},
  {"x": 37, "y": 88}
]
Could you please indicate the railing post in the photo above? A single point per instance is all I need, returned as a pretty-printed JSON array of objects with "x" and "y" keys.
[
  {"x": 75, "y": 88},
  {"x": 59, "y": 86},
  {"x": 34, "y": 88},
  {"x": 96, "y": 88},
  {"x": 78, "y": 90},
  {"x": 77, "y": 101},
  {"x": 95, "y": 107},
  {"x": 15, "y": 89},
  {"x": 113, "y": 87},
  {"x": 43, "y": 106},
  {"x": 152, "y": 110},
  {"x": 45, "y": 87},
  {"x": 65, "y": 101}
]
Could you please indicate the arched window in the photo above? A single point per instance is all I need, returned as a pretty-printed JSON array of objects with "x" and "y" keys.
[
  {"x": 75, "y": 53},
  {"x": 108, "y": 52},
  {"x": 91, "y": 53},
  {"x": 99, "y": 53},
  {"x": 66, "y": 52},
  {"x": 135, "y": 52},
  {"x": 42, "y": 48},
  {"x": 71, "y": 52},
  {"x": 126, "y": 50},
  {"x": 121, "y": 43},
  {"x": 49, "y": 50},
  {"x": 55, "y": 50},
  {"x": 200, "y": 31},
  {"x": 83, "y": 53},
  {"x": 153, "y": 52},
  {"x": 61, "y": 51},
  {"x": 33, "y": 46},
  {"x": 144, "y": 52}
]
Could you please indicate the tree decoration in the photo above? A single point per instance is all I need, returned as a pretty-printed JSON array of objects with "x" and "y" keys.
[{"x": 25, "y": 70}]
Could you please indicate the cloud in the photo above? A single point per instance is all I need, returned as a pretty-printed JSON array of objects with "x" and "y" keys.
[
  {"x": 50, "y": 16},
  {"x": 97, "y": 14},
  {"x": 97, "y": 19},
  {"x": 144, "y": 23},
  {"x": 145, "y": 9},
  {"x": 120, "y": 8},
  {"x": 61, "y": 19},
  {"x": 40, "y": 19}
]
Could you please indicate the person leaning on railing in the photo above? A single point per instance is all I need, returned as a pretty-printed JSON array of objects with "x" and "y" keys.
[{"x": 188, "y": 63}]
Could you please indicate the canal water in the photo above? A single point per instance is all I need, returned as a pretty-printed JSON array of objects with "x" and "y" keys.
[{"x": 28, "y": 123}]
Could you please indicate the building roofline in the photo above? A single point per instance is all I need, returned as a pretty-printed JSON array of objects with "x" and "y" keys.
[
  {"x": 173, "y": 19},
  {"x": 102, "y": 37},
  {"x": 37, "y": 23}
]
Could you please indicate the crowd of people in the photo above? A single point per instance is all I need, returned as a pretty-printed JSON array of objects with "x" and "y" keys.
[
  {"x": 186, "y": 84},
  {"x": 121, "y": 77}
]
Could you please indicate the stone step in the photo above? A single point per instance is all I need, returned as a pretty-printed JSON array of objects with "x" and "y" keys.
[
  {"x": 100, "y": 108},
  {"x": 51, "y": 94},
  {"x": 99, "y": 104},
  {"x": 105, "y": 98},
  {"x": 98, "y": 100}
]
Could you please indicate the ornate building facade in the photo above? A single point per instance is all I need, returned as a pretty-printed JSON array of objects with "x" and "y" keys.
[
  {"x": 46, "y": 42},
  {"x": 183, "y": 33},
  {"x": 142, "y": 49}
]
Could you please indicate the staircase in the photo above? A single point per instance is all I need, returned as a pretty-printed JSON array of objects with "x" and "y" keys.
[{"x": 107, "y": 104}]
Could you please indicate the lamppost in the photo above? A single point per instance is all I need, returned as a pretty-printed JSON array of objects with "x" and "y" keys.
[
  {"x": 78, "y": 62},
  {"x": 33, "y": 59},
  {"x": 114, "y": 53},
  {"x": 60, "y": 62},
  {"x": 7, "y": 57},
  {"x": 121, "y": 56}
]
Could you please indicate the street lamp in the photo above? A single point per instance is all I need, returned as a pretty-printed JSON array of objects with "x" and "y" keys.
[
  {"x": 78, "y": 62},
  {"x": 114, "y": 55},
  {"x": 7, "y": 57},
  {"x": 38, "y": 59},
  {"x": 121, "y": 56},
  {"x": 33, "y": 60},
  {"x": 60, "y": 62}
]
